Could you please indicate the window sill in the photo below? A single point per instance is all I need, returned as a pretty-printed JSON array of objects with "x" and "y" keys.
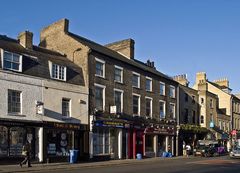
[
  {"x": 103, "y": 77},
  {"x": 119, "y": 82},
  {"x": 136, "y": 87},
  {"x": 16, "y": 114}
]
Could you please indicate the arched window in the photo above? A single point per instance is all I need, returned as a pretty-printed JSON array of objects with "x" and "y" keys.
[
  {"x": 3, "y": 141},
  {"x": 17, "y": 140}
]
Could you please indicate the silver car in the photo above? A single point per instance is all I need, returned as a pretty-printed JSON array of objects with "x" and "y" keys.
[{"x": 235, "y": 153}]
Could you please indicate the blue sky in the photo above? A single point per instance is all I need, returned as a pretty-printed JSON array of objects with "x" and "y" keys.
[{"x": 181, "y": 36}]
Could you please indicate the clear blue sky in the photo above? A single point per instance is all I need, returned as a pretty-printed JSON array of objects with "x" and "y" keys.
[{"x": 181, "y": 36}]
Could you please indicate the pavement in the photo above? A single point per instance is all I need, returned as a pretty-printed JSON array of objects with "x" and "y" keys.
[{"x": 67, "y": 166}]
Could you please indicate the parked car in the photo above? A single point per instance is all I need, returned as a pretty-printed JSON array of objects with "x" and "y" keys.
[
  {"x": 235, "y": 153},
  {"x": 206, "y": 148}
]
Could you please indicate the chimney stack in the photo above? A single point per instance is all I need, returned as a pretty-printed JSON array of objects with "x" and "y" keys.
[
  {"x": 124, "y": 47},
  {"x": 26, "y": 39}
]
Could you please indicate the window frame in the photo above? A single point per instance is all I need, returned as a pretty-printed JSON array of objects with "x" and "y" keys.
[
  {"x": 104, "y": 88},
  {"x": 58, "y": 69},
  {"x": 122, "y": 92},
  {"x": 104, "y": 66},
  {"x": 139, "y": 80},
  {"x": 21, "y": 104},
  {"x": 69, "y": 107},
  {"x": 20, "y": 61},
  {"x": 164, "y": 109},
  {"x": 151, "y": 106},
  {"x": 164, "y": 88},
  {"x": 139, "y": 104},
  {"x": 174, "y": 113},
  {"x": 151, "y": 84},
  {"x": 119, "y": 68},
  {"x": 174, "y": 93},
  {"x": 202, "y": 119}
]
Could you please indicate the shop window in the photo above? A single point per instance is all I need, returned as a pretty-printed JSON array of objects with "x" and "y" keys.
[
  {"x": 59, "y": 142},
  {"x": 149, "y": 143},
  {"x": 17, "y": 140},
  {"x": 3, "y": 141},
  {"x": 101, "y": 142}
]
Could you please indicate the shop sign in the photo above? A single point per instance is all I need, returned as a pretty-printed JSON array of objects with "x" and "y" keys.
[
  {"x": 111, "y": 124},
  {"x": 165, "y": 131},
  {"x": 67, "y": 126}
]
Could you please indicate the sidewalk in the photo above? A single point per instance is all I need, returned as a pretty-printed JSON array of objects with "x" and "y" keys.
[{"x": 65, "y": 166}]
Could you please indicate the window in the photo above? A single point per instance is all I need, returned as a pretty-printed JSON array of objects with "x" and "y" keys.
[
  {"x": 66, "y": 107},
  {"x": 193, "y": 117},
  {"x": 224, "y": 126},
  {"x": 3, "y": 141},
  {"x": 185, "y": 116},
  {"x": 17, "y": 139},
  {"x": 136, "y": 80},
  {"x": 211, "y": 103},
  {"x": 148, "y": 84},
  {"x": 148, "y": 107},
  {"x": 172, "y": 110},
  {"x": 162, "y": 88},
  {"x": 202, "y": 119},
  {"x": 136, "y": 105},
  {"x": 172, "y": 92},
  {"x": 211, "y": 117},
  {"x": 220, "y": 124},
  {"x": 162, "y": 109},
  {"x": 100, "y": 67},
  {"x": 202, "y": 100},
  {"x": 118, "y": 100},
  {"x": 101, "y": 142},
  {"x": 12, "y": 61},
  {"x": 99, "y": 97},
  {"x": 58, "y": 72},
  {"x": 186, "y": 97},
  {"x": 193, "y": 99},
  {"x": 14, "y": 101},
  {"x": 118, "y": 74}
]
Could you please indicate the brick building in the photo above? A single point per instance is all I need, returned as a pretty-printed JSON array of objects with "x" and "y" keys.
[{"x": 133, "y": 108}]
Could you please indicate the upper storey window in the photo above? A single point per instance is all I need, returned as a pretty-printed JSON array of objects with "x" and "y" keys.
[
  {"x": 11, "y": 61},
  {"x": 100, "y": 68},
  {"x": 58, "y": 72}
]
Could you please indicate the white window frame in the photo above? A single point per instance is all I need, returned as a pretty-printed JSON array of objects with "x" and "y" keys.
[
  {"x": 174, "y": 114},
  {"x": 103, "y": 62},
  {"x": 139, "y": 104},
  {"x": 104, "y": 88},
  {"x": 151, "y": 105},
  {"x": 70, "y": 107},
  {"x": 151, "y": 81},
  {"x": 21, "y": 103},
  {"x": 164, "y": 108},
  {"x": 122, "y": 92},
  {"x": 174, "y": 93},
  {"x": 51, "y": 75},
  {"x": 20, "y": 61},
  {"x": 164, "y": 88},
  {"x": 119, "y": 68},
  {"x": 137, "y": 74}
]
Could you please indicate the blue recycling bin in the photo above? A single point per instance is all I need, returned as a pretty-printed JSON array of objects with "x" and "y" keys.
[
  {"x": 73, "y": 156},
  {"x": 165, "y": 154},
  {"x": 139, "y": 156}
]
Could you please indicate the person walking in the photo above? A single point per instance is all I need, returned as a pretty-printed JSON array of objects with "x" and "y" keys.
[
  {"x": 26, "y": 151},
  {"x": 188, "y": 150}
]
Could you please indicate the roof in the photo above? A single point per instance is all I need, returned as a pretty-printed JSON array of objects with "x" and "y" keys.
[
  {"x": 218, "y": 86},
  {"x": 106, "y": 51},
  {"x": 35, "y": 61}
]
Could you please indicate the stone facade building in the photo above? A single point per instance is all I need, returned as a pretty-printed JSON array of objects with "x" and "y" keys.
[
  {"x": 133, "y": 107},
  {"x": 44, "y": 101}
]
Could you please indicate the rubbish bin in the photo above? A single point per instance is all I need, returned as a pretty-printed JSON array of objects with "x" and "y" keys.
[
  {"x": 139, "y": 156},
  {"x": 73, "y": 156}
]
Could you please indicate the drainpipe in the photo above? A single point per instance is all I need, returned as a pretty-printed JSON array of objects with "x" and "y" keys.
[{"x": 178, "y": 122}]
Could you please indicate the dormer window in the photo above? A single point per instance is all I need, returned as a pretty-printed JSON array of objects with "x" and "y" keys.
[
  {"x": 58, "y": 72},
  {"x": 11, "y": 61}
]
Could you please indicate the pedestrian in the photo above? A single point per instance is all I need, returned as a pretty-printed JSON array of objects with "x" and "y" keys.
[
  {"x": 188, "y": 149},
  {"x": 26, "y": 151}
]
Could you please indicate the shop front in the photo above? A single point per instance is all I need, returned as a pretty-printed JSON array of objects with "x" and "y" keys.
[
  {"x": 159, "y": 139},
  {"x": 13, "y": 135},
  {"x": 60, "y": 138},
  {"x": 109, "y": 139}
]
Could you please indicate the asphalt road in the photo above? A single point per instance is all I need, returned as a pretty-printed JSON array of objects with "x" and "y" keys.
[{"x": 183, "y": 165}]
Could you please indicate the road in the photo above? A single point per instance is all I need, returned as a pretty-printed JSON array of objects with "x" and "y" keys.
[{"x": 184, "y": 165}]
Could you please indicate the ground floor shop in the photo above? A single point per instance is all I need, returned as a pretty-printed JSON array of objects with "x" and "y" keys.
[
  {"x": 49, "y": 141},
  {"x": 160, "y": 139}
]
